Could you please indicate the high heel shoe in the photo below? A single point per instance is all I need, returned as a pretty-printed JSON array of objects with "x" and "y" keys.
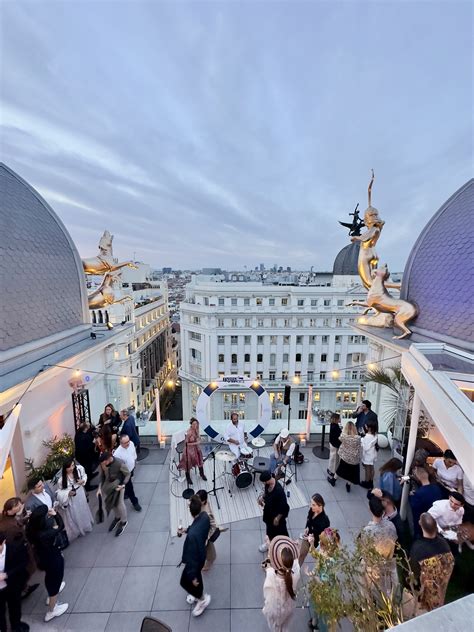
[{"x": 201, "y": 474}]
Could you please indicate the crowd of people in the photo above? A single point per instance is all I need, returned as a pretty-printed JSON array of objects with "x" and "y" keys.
[{"x": 34, "y": 533}]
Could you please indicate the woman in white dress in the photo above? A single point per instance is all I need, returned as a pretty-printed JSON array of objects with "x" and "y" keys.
[
  {"x": 279, "y": 589},
  {"x": 71, "y": 496}
]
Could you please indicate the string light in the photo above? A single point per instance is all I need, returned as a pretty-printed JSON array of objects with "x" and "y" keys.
[
  {"x": 77, "y": 372},
  {"x": 296, "y": 379},
  {"x": 256, "y": 384},
  {"x": 124, "y": 379},
  {"x": 334, "y": 375}
]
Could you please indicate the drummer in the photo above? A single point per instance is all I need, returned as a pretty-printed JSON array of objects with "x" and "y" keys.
[
  {"x": 283, "y": 450},
  {"x": 236, "y": 436}
]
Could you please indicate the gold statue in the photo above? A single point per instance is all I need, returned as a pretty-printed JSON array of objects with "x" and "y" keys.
[
  {"x": 382, "y": 302},
  {"x": 105, "y": 262},
  {"x": 105, "y": 295},
  {"x": 368, "y": 258}
]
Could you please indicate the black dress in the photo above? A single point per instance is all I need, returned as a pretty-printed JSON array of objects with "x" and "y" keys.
[
  {"x": 275, "y": 505},
  {"x": 49, "y": 557},
  {"x": 316, "y": 525}
]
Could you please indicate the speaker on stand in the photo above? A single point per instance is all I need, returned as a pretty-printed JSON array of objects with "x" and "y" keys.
[{"x": 286, "y": 401}]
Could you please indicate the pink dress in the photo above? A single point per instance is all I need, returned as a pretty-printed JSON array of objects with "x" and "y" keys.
[{"x": 192, "y": 455}]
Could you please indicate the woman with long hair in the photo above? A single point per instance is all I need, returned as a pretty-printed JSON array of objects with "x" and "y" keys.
[
  {"x": 110, "y": 417},
  {"x": 107, "y": 439},
  {"x": 349, "y": 454},
  {"x": 334, "y": 443},
  {"x": 389, "y": 481},
  {"x": 192, "y": 455},
  {"x": 42, "y": 532},
  {"x": 73, "y": 506},
  {"x": 316, "y": 522},
  {"x": 281, "y": 581}
]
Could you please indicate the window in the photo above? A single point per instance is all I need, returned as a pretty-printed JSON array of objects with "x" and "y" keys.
[
  {"x": 271, "y": 376},
  {"x": 340, "y": 302},
  {"x": 286, "y": 340},
  {"x": 325, "y": 340},
  {"x": 316, "y": 396},
  {"x": 298, "y": 357},
  {"x": 259, "y": 357},
  {"x": 233, "y": 302},
  {"x": 273, "y": 340},
  {"x": 247, "y": 340},
  {"x": 221, "y": 302},
  {"x": 234, "y": 340},
  {"x": 247, "y": 357},
  {"x": 234, "y": 358},
  {"x": 299, "y": 340},
  {"x": 312, "y": 322},
  {"x": 196, "y": 320},
  {"x": 259, "y": 301},
  {"x": 284, "y": 375},
  {"x": 284, "y": 301},
  {"x": 234, "y": 399},
  {"x": 248, "y": 322},
  {"x": 260, "y": 322},
  {"x": 206, "y": 300},
  {"x": 326, "y": 322},
  {"x": 314, "y": 302},
  {"x": 337, "y": 339},
  {"x": 221, "y": 357},
  {"x": 327, "y": 302},
  {"x": 310, "y": 358},
  {"x": 196, "y": 354},
  {"x": 338, "y": 397},
  {"x": 242, "y": 398},
  {"x": 246, "y": 301},
  {"x": 324, "y": 357},
  {"x": 272, "y": 359},
  {"x": 355, "y": 375},
  {"x": 271, "y": 302},
  {"x": 298, "y": 374},
  {"x": 346, "y": 397},
  {"x": 220, "y": 322},
  {"x": 220, "y": 340},
  {"x": 286, "y": 357},
  {"x": 286, "y": 322},
  {"x": 195, "y": 336},
  {"x": 276, "y": 414},
  {"x": 300, "y": 302},
  {"x": 337, "y": 357},
  {"x": 273, "y": 322},
  {"x": 322, "y": 376},
  {"x": 259, "y": 375},
  {"x": 234, "y": 322},
  {"x": 279, "y": 398},
  {"x": 312, "y": 340},
  {"x": 302, "y": 397},
  {"x": 338, "y": 322},
  {"x": 354, "y": 397},
  {"x": 260, "y": 340},
  {"x": 310, "y": 376},
  {"x": 302, "y": 414}
]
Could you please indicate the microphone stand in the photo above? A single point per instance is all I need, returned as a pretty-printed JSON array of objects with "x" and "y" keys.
[{"x": 214, "y": 489}]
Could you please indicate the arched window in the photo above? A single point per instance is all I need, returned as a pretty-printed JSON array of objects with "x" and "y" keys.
[
  {"x": 101, "y": 318},
  {"x": 94, "y": 320},
  {"x": 106, "y": 316}
]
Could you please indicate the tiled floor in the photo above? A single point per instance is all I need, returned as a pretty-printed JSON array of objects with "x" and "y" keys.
[{"x": 112, "y": 583}]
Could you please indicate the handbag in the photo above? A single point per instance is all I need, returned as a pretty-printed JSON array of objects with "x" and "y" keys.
[
  {"x": 215, "y": 535},
  {"x": 61, "y": 541}
]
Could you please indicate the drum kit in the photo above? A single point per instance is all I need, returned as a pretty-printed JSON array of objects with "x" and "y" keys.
[{"x": 241, "y": 468}]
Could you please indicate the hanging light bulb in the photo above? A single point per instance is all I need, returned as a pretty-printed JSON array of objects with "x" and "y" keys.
[
  {"x": 77, "y": 372},
  {"x": 371, "y": 366},
  {"x": 124, "y": 379},
  {"x": 334, "y": 375}
]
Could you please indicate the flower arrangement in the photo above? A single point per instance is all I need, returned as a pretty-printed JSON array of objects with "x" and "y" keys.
[{"x": 58, "y": 451}]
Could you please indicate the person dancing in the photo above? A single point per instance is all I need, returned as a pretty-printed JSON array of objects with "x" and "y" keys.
[{"x": 192, "y": 455}]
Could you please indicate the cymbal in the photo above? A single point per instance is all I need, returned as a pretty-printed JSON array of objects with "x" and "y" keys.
[
  {"x": 258, "y": 442},
  {"x": 225, "y": 455}
]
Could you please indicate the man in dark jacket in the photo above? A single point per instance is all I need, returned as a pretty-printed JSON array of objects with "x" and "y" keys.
[
  {"x": 364, "y": 415},
  {"x": 129, "y": 428},
  {"x": 275, "y": 508},
  {"x": 85, "y": 451},
  {"x": 194, "y": 557},
  {"x": 13, "y": 576},
  {"x": 113, "y": 478}
]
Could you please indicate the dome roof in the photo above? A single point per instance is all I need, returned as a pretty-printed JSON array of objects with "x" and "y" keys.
[
  {"x": 346, "y": 261},
  {"x": 438, "y": 273},
  {"x": 42, "y": 281}
]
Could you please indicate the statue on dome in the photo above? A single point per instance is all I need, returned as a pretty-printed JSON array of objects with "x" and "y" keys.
[
  {"x": 105, "y": 294},
  {"x": 356, "y": 224},
  {"x": 105, "y": 261}
]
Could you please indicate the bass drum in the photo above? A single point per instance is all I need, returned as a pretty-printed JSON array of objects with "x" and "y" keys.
[{"x": 243, "y": 478}]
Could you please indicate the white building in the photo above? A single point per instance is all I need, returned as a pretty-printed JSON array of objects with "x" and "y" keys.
[
  {"x": 47, "y": 338},
  {"x": 279, "y": 334}
]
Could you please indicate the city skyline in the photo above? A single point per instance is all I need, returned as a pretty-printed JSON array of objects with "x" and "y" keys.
[{"x": 206, "y": 134}]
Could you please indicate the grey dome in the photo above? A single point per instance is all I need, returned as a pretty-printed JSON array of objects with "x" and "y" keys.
[
  {"x": 42, "y": 283},
  {"x": 438, "y": 274},
  {"x": 346, "y": 261}
]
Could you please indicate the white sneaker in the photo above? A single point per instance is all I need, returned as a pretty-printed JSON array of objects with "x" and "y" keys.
[
  {"x": 263, "y": 548},
  {"x": 190, "y": 600},
  {"x": 58, "y": 610},
  {"x": 201, "y": 605},
  {"x": 61, "y": 588}
]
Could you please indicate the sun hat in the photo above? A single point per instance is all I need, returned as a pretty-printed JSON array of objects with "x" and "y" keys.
[
  {"x": 277, "y": 545},
  {"x": 284, "y": 433}
]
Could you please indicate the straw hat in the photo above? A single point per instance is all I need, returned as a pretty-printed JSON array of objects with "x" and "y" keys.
[{"x": 277, "y": 545}]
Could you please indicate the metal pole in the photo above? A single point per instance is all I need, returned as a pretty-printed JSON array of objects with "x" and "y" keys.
[
  {"x": 158, "y": 413},
  {"x": 415, "y": 417},
  {"x": 289, "y": 411},
  {"x": 310, "y": 412}
]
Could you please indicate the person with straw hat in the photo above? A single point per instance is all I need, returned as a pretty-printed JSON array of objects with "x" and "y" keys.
[{"x": 281, "y": 581}]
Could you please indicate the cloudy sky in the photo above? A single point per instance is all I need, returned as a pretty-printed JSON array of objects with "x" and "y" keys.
[{"x": 233, "y": 133}]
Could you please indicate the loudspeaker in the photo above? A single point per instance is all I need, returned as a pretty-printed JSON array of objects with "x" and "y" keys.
[{"x": 286, "y": 397}]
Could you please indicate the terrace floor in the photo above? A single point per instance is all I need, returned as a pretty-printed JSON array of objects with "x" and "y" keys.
[{"x": 112, "y": 583}]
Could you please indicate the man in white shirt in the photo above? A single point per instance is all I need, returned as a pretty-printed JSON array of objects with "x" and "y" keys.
[
  {"x": 448, "y": 513},
  {"x": 235, "y": 435},
  {"x": 127, "y": 453},
  {"x": 283, "y": 450},
  {"x": 449, "y": 473},
  {"x": 40, "y": 494}
]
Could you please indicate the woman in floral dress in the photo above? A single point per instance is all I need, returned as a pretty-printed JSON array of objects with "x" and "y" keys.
[{"x": 192, "y": 455}]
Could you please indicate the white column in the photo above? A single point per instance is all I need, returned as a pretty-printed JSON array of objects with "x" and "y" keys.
[
  {"x": 309, "y": 416},
  {"x": 158, "y": 414},
  {"x": 415, "y": 417}
]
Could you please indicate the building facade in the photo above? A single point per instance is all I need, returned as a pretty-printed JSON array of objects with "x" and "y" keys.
[{"x": 299, "y": 335}]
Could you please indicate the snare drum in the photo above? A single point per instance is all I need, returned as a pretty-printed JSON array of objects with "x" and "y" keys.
[
  {"x": 246, "y": 452},
  {"x": 242, "y": 475}
]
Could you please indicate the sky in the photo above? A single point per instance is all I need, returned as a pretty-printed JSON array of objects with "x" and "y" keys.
[{"x": 229, "y": 134}]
